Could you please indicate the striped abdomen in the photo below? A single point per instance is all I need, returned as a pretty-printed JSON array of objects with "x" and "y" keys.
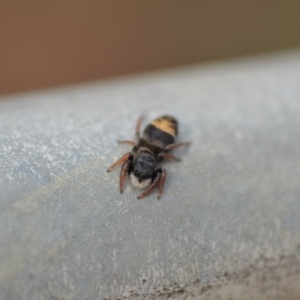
[{"x": 160, "y": 133}]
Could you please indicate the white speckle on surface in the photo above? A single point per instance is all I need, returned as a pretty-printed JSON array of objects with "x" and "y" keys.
[{"x": 48, "y": 156}]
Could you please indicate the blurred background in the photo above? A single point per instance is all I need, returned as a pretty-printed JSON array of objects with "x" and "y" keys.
[{"x": 52, "y": 43}]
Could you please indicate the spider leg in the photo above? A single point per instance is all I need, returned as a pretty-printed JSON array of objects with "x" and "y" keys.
[
  {"x": 151, "y": 186},
  {"x": 123, "y": 174},
  {"x": 132, "y": 143},
  {"x": 120, "y": 161},
  {"x": 166, "y": 155},
  {"x": 170, "y": 147},
  {"x": 138, "y": 128},
  {"x": 173, "y": 146},
  {"x": 137, "y": 134},
  {"x": 161, "y": 183}
]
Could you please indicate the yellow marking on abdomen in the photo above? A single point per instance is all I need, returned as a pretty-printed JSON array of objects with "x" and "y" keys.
[{"x": 165, "y": 125}]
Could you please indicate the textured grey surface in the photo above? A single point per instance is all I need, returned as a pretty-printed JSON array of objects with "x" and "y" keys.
[{"x": 67, "y": 233}]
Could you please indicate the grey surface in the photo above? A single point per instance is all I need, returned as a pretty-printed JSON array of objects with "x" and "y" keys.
[{"x": 233, "y": 201}]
